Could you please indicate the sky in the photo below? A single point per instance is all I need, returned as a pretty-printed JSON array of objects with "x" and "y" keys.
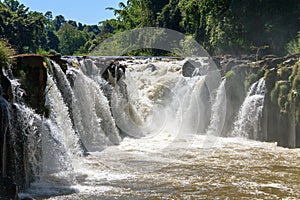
[{"x": 87, "y": 11}]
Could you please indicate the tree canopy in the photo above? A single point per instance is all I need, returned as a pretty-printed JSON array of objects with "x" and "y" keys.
[{"x": 220, "y": 26}]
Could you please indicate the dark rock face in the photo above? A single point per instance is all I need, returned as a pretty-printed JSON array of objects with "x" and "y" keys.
[
  {"x": 61, "y": 62},
  {"x": 280, "y": 111},
  {"x": 114, "y": 70},
  {"x": 270, "y": 110},
  {"x": 189, "y": 68},
  {"x": 5, "y": 87},
  {"x": 15, "y": 167},
  {"x": 8, "y": 189},
  {"x": 31, "y": 70},
  {"x": 280, "y": 117},
  {"x": 228, "y": 62},
  {"x": 195, "y": 68},
  {"x": 235, "y": 93},
  {"x": 4, "y": 128}
]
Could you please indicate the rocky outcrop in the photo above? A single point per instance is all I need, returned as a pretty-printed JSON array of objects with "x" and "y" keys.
[
  {"x": 235, "y": 93},
  {"x": 196, "y": 67},
  {"x": 282, "y": 101},
  {"x": 61, "y": 62},
  {"x": 31, "y": 73},
  {"x": 280, "y": 118},
  {"x": 114, "y": 70},
  {"x": 4, "y": 129},
  {"x": 31, "y": 70},
  {"x": 281, "y": 108}
]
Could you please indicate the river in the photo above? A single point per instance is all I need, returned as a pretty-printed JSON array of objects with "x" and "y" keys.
[{"x": 169, "y": 152}]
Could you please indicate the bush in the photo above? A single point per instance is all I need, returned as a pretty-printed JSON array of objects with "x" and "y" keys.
[
  {"x": 252, "y": 78},
  {"x": 230, "y": 74},
  {"x": 294, "y": 45},
  {"x": 6, "y": 51}
]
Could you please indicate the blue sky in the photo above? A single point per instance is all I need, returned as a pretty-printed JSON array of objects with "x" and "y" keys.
[{"x": 86, "y": 12}]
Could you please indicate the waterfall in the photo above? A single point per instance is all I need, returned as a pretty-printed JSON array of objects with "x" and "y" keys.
[
  {"x": 103, "y": 131},
  {"x": 92, "y": 110},
  {"x": 248, "y": 122},
  {"x": 60, "y": 117},
  {"x": 217, "y": 119},
  {"x": 192, "y": 105},
  {"x": 160, "y": 100}
]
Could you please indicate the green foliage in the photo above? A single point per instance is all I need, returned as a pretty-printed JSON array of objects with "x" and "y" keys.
[
  {"x": 294, "y": 95},
  {"x": 252, "y": 78},
  {"x": 220, "y": 26},
  {"x": 5, "y": 52},
  {"x": 282, "y": 98},
  {"x": 170, "y": 16},
  {"x": 274, "y": 94},
  {"x": 279, "y": 95},
  {"x": 286, "y": 91},
  {"x": 24, "y": 30},
  {"x": 41, "y": 51},
  {"x": 34, "y": 32},
  {"x": 294, "y": 45},
  {"x": 284, "y": 72},
  {"x": 230, "y": 74},
  {"x": 70, "y": 39}
]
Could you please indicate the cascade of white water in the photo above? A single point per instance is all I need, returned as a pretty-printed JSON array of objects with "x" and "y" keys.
[
  {"x": 191, "y": 109},
  {"x": 249, "y": 116},
  {"x": 217, "y": 119},
  {"x": 63, "y": 85},
  {"x": 93, "y": 115},
  {"x": 25, "y": 125},
  {"x": 160, "y": 100},
  {"x": 60, "y": 117}
]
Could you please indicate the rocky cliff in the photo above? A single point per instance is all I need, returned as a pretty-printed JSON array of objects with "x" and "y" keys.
[{"x": 280, "y": 120}]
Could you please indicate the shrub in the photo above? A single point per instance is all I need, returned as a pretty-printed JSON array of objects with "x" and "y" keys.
[
  {"x": 294, "y": 45},
  {"x": 6, "y": 51}
]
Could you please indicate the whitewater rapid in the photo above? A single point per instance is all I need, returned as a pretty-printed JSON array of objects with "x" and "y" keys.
[
  {"x": 172, "y": 148},
  {"x": 234, "y": 167}
]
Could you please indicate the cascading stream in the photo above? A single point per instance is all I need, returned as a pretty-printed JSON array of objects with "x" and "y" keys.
[
  {"x": 218, "y": 111},
  {"x": 167, "y": 119},
  {"x": 249, "y": 117}
]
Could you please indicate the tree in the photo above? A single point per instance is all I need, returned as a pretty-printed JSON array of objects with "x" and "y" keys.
[
  {"x": 70, "y": 39},
  {"x": 13, "y": 5},
  {"x": 58, "y": 22},
  {"x": 268, "y": 22},
  {"x": 72, "y": 23},
  {"x": 170, "y": 16},
  {"x": 24, "y": 30}
]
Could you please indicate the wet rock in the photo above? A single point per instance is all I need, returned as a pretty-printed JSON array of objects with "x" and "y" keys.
[
  {"x": 31, "y": 69},
  {"x": 5, "y": 87},
  {"x": 152, "y": 67},
  {"x": 114, "y": 70},
  {"x": 281, "y": 104},
  {"x": 62, "y": 63},
  {"x": 4, "y": 128},
  {"x": 8, "y": 189},
  {"x": 189, "y": 68}
]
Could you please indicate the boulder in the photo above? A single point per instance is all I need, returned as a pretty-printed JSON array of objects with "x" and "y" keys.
[
  {"x": 114, "y": 70},
  {"x": 189, "y": 68},
  {"x": 198, "y": 68}
]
